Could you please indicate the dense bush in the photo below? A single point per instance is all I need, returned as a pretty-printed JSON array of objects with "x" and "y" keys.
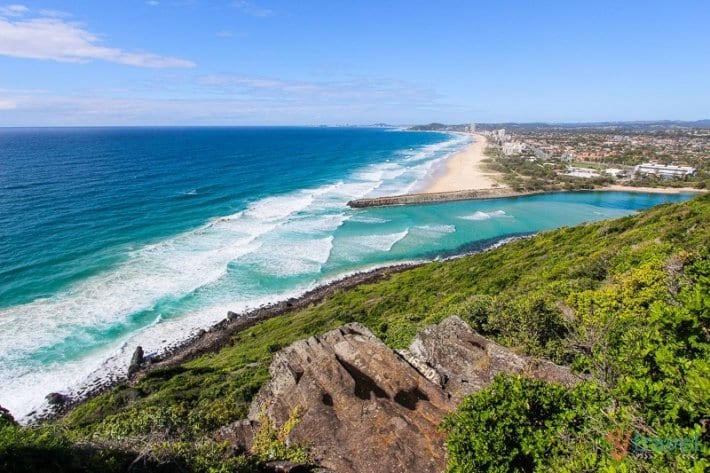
[
  {"x": 519, "y": 424},
  {"x": 643, "y": 338},
  {"x": 47, "y": 449}
]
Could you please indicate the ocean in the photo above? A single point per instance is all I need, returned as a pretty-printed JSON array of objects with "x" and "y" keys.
[{"x": 112, "y": 238}]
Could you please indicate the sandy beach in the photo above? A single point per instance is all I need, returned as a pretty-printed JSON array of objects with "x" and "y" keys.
[
  {"x": 464, "y": 170},
  {"x": 652, "y": 190}
]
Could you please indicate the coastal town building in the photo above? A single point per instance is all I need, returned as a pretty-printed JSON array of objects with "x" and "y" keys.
[
  {"x": 667, "y": 171},
  {"x": 615, "y": 172},
  {"x": 513, "y": 148},
  {"x": 584, "y": 173},
  {"x": 497, "y": 136},
  {"x": 568, "y": 156},
  {"x": 611, "y": 153}
]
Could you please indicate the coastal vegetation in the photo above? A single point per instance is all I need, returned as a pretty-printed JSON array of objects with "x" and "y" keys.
[
  {"x": 522, "y": 174},
  {"x": 625, "y": 303}
]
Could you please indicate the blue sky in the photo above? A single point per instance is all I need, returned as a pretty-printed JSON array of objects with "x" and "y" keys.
[{"x": 260, "y": 62}]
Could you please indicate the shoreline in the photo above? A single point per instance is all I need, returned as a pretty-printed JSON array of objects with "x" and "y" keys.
[
  {"x": 216, "y": 337},
  {"x": 652, "y": 190},
  {"x": 463, "y": 170},
  {"x": 220, "y": 334}
]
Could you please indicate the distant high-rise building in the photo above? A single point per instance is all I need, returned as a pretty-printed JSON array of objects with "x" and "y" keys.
[{"x": 513, "y": 148}]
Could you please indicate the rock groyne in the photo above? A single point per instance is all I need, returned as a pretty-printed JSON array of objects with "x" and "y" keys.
[{"x": 436, "y": 197}]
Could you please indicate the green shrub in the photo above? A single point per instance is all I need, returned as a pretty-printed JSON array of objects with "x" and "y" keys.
[{"x": 519, "y": 424}]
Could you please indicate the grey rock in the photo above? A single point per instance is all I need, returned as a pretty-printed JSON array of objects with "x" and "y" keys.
[
  {"x": 136, "y": 361},
  {"x": 240, "y": 434},
  {"x": 56, "y": 399},
  {"x": 466, "y": 362}
]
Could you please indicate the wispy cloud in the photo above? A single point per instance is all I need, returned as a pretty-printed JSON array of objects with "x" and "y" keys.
[
  {"x": 251, "y": 9},
  {"x": 365, "y": 90},
  {"x": 50, "y": 37},
  {"x": 7, "y": 104},
  {"x": 54, "y": 14},
  {"x": 153, "y": 3},
  {"x": 176, "y": 99},
  {"x": 13, "y": 10}
]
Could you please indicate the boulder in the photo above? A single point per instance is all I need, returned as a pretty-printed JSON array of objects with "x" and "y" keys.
[
  {"x": 363, "y": 407},
  {"x": 56, "y": 399},
  {"x": 462, "y": 361},
  {"x": 136, "y": 361},
  {"x": 240, "y": 434}
]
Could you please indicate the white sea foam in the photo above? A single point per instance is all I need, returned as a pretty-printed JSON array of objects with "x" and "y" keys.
[
  {"x": 437, "y": 229},
  {"x": 364, "y": 219},
  {"x": 484, "y": 215},
  {"x": 456, "y": 142},
  {"x": 296, "y": 257},
  {"x": 321, "y": 224},
  {"x": 172, "y": 268},
  {"x": 383, "y": 243},
  {"x": 279, "y": 207},
  {"x": 189, "y": 263}
]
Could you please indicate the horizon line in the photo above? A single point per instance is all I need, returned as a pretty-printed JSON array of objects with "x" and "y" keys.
[{"x": 363, "y": 125}]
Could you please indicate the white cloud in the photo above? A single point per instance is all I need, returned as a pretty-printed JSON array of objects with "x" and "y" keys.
[
  {"x": 13, "y": 10},
  {"x": 51, "y": 38},
  {"x": 54, "y": 14},
  {"x": 153, "y": 3},
  {"x": 226, "y": 100},
  {"x": 7, "y": 104},
  {"x": 251, "y": 9},
  {"x": 225, "y": 34},
  {"x": 365, "y": 90},
  {"x": 182, "y": 98}
]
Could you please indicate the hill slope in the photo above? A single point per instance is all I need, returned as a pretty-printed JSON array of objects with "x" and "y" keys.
[{"x": 624, "y": 302}]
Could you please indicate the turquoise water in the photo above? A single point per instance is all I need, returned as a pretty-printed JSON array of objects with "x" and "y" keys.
[{"x": 111, "y": 238}]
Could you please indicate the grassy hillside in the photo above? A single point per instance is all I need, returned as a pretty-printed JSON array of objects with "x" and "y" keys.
[{"x": 625, "y": 302}]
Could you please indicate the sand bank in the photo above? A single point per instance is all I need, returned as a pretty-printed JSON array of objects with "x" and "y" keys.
[
  {"x": 464, "y": 170},
  {"x": 652, "y": 190}
]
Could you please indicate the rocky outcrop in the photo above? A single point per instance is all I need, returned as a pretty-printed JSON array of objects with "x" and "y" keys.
[
  {"x": 364, "y": 407},
  {"x": 462, "y": 361}
]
